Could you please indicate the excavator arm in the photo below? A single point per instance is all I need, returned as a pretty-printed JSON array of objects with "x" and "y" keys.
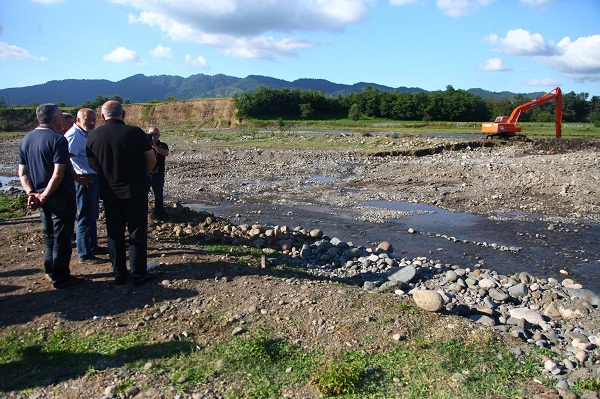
[{"x": 504, "y": 125}]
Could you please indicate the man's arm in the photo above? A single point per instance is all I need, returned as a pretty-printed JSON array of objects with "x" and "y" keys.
[
  {"x": 160, "y": 151},
  {"x": 25, "y": 179},
  {"x": 35, "y": 200},
  {"x": 32, "y": 201},
  {"x": 54, "y": 183},
  {"x": 150, "y": 160}
]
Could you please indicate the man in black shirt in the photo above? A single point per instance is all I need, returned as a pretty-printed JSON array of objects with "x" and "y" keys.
[
  {"x": 122, "y": 156},
  {"x": 156, "y": 179}
]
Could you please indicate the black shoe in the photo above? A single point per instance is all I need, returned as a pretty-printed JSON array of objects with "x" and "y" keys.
[
  {"x": 71, "y": 281},
  {"x": 160, "y": 216},
  {"x": 92, "y": 260},
  {"x": 120, "y": 280},
  {"x": 141, "y": 280},
  {"x": 100, "y": 250}
]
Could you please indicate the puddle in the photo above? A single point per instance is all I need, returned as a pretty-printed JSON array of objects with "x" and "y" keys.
[
  {"x": 5, "y": 180},
  {"x": 324, "y": 179},
  {"x": 431, "y": 219}
]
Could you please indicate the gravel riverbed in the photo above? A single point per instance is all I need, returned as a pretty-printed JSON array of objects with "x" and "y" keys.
[{"x": 322, "y": 210}]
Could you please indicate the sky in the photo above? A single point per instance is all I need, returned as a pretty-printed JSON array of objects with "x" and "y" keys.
[{"x": 521, "y": 46}]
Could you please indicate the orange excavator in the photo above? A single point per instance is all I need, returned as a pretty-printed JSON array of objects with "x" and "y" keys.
[{"x": 505, "y": 127}]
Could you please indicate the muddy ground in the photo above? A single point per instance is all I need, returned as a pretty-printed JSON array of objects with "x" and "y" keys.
[{"x": 556, "y": 180}]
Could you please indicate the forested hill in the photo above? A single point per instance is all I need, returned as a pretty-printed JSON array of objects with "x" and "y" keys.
[{"x": 141, "y": 88}]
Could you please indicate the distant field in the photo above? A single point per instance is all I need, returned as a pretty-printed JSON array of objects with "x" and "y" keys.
[{"x": 267, "y": 128}]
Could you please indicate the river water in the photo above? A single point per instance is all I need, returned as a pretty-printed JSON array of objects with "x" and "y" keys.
[
  {"x": 505, "y": 243},
  {"x": 541, "y": 247}
]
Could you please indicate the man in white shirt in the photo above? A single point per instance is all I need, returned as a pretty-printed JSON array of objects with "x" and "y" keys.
[{"x": 87, "y": 188}]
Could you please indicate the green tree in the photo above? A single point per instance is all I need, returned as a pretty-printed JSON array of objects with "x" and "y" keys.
[
  {"x": 575, "y": 107},
  {"x": 306, "y": 110},
  {"x": 97, "y": 103},
  {"x": 355, "y": 112}
]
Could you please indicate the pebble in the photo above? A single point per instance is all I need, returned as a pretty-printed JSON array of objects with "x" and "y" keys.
[
  {"x": 402, "y": 274},
  {"x": 428, "y": 300}
]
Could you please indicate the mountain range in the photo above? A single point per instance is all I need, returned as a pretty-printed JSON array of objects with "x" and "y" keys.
[{"x": 141, "y": 88}]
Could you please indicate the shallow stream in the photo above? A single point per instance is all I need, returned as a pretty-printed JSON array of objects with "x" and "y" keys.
[{"x": 505, "y": 243}]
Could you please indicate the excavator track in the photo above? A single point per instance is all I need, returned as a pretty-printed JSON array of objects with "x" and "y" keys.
[{"x": 507, "y": 136}]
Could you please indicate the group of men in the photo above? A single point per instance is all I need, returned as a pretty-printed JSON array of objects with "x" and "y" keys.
[{"x": 66, "y": 170}]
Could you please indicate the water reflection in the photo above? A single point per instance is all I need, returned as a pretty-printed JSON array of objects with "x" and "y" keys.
[
  {"x": 6, "y": 182},
  {"x": 452, "y": 237}
]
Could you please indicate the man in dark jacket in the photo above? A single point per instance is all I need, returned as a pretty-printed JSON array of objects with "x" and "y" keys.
[
  {"x": 46, "y": 177},
  {"x": 122, "y": 156}
]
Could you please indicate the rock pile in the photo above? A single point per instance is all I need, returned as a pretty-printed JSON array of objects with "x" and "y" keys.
[{"x": 560, "y": 316}]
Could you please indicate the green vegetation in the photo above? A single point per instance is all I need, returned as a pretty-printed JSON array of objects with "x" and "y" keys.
[
  {"x": 336, "y": 378},
  {"x": 259, "y": 365},
  {"x": 11, "y": 207},
  {"x": 450, "y": 105}
]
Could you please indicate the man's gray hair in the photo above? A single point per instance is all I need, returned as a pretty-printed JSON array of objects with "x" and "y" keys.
[
  {"x": 45, "y": 112},
  {"x": 112, "y": 109}
]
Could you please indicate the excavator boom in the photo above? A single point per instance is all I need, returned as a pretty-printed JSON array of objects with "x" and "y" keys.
[{"x": 504, "y": 125}]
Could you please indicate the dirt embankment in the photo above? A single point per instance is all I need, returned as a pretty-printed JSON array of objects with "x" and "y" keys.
[
  {"x": 206, "y": 113},
  {"x": 213, "y": 113}
]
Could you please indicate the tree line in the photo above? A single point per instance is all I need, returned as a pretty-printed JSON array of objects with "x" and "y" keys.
[{"x": 450, "y": 105}]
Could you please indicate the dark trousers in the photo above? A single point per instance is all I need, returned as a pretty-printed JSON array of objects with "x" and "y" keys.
[
  {"x": 156, "y": 182},
  {"x": 131, "y": 214},
  {"x": 58, "y": 218}
]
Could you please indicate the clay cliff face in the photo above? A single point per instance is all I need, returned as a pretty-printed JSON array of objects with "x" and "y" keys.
[
  {"x": 205, "y": 113},
  {"x": 217, "y": 113}
]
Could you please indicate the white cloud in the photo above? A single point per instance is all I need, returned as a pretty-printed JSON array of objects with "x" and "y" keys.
[
  {"x": 162, "y": 52},
  {"x": 579, "y": 59},
  {"x": 122, "y": 54},
  {"x": 544, "y": 82},
  {"x": 198, "y": 64},
  {"x": 494, "y": 64},
  {"x": 10, "y": 51},
  {"x": 248, "y": 28},
  {"x": 537, "y": 3},
  {"x": 460, "y": 8},
  {"x": 521, "y": 42}
]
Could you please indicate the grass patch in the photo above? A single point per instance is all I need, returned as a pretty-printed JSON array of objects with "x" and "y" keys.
[
  {"x": 260, "y": 365},
  {"x": 12, "y": 207},
  {"x": 36, "y": 359},
  {"x": 346, "y": 135},
  {"x": 248, "y": 256}
]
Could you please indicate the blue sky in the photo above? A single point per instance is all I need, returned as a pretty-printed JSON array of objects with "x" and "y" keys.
[{"x": 498, "y": 45}]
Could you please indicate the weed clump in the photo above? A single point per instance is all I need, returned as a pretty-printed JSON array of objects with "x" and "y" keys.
[{"x": 335, "y": 378}]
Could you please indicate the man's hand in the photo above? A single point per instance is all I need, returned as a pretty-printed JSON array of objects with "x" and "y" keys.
[
  {"x": 34, "y": 201},
  {"x": 85, "y": 181}
]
